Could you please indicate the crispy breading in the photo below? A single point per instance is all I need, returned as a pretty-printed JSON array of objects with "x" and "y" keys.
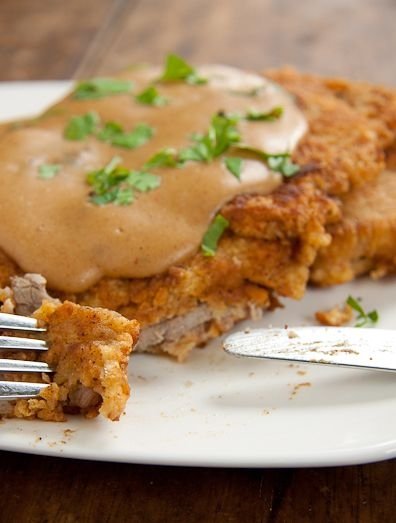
[
  {"x": 376, "y": 103},
  {"x": 89, "y": 349},
  {"x": 365, "y": 240},
  {"x": 336, "y": 316},
  {"x": 273, "y": 240},
  {"x": 341, "y": 140}
]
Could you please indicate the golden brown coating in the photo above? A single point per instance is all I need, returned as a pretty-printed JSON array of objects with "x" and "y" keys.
[
  {"x": 376, "y": 103},
  {"x": 336, "y": 316},
  {"x": 341, "y": 140},
  {"x": 273, "y": 240},
  {"x": 89, "y": 349},
  {"x": 365, "y": 240}
]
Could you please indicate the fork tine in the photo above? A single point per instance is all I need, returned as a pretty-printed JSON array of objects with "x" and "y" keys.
[
  {"x": 7, "y": 365},
  {"x": 15, "y": 322},
  {"x": 12, "y": 342},
  {"x": 14, "y": 390}
]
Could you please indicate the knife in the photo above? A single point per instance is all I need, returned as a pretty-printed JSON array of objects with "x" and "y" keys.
[{"x": 373, "y": 349}]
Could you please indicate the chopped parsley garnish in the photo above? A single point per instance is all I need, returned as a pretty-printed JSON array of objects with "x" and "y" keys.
[
  {"x": 234, "y": 165},
  {"x": 165, "y": 158},
  {"x": 282, "y": 164},
  {"x": 363, "y": 319},
  {"x": 101, "y": 87},
  {"x": 269, "y": 116},
  {"x": 143, "y": 181},
  {"x": 48, "y": 170},
  {"x": 114, "y": 133},
  {"x": 151, "y": 96},
  {"x": 279, "y": 162},
  {"x": 79, "y": 127},
  {"x": 213, "y": 235},
  {"x": 116, "y": 184},
  {"x": 109, "y": 130},
  {"x": 222, "y": 134},
  {"x": 178, "y": 69}
]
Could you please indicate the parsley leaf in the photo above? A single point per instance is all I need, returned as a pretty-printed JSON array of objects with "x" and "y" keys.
[
  {"x": 100, "y": 87},
  {"x": 143, "y": 181},
  {"x": 113, "y": 133},
  {"x": 178, "y": 69},
  {"x": 270, "y": 116},
  {"x": 116, "y": 184},
  {"x": 234, "y": 165},
  {"x": 109, "y": 130},
  {"x": 48, "y": 170},
  {"x": 222, "y": 134},
  {"x": 79, "y": 127},
  {"x": 151, "y": 96},
  {"x": 213, "y": 235},
  {"x": 124, "y": 196},
  {"x": 198, "y": 152},
  {"x": 282, "y": 164},
  {"x": 165, "y": 158},
  {"x": 363, "y": 319},
  {"x": 279, "y": 162}
]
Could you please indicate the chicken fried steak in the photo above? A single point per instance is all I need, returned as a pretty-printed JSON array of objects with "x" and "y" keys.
[{"x": 273, "y": 237}]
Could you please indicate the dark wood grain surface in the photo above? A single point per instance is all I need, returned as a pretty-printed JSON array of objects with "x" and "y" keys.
[{"x": 57, "y": 39}]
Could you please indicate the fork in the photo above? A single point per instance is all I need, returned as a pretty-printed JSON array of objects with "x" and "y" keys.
[{"x": 12, "y": 390}]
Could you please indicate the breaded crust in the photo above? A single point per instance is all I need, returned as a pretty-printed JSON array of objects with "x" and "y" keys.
[
  {"x": 273, "y": 240},
  {"x": 365, "y": 240},
  {"x": 89, "y": 350}
]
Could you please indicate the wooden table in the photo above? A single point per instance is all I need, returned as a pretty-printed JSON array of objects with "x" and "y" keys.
[{"x": 55, "y": 39}]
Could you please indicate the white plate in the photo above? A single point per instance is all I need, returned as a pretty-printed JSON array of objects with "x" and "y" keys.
[{"x": 215, "y": 410}]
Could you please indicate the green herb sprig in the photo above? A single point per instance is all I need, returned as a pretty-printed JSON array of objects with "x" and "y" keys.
[
  {"x": 234, "y": 165},
  {"x": 220, "y": 137},
  {"x": 116, "y": 184},
  {"x": 280, "y": 162},
  {"x": 167, "y": 157},
  {"x": 363, "y": 319},
  {"x": 151, "y": 96},
  {"x": 113, "y": 133},
  {"x": 222, "y": 134},
  {"x": 101, "y": 87},
  {"x": 213, "y": 235},
  {"x": 260, "y": 116},
  {"x": 176, "y": 69},
  {"x": 79, "y": 127}
]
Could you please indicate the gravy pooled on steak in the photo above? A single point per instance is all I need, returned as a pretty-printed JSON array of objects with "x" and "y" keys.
[{"x": 58, "y": 232}]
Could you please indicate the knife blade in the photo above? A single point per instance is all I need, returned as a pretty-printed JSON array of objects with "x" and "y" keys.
[{"x": 361, "y": 348}]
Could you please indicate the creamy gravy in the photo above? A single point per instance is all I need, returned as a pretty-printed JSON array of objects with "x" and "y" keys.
[{"x": 50, "y": 227}]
